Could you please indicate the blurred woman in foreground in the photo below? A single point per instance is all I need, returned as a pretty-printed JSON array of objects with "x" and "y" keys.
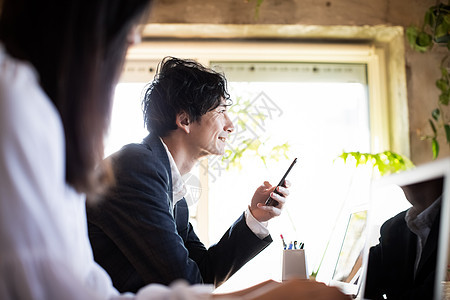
[{"x": 59, "y": 63}]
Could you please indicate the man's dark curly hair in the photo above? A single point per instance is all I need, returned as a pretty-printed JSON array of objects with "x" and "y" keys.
[{"x": 181, "y": 86}]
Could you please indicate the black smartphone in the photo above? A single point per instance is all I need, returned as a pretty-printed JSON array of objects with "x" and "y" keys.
[{"x": 271, "y": 201}]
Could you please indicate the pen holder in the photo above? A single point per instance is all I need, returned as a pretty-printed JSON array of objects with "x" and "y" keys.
[{"x": 294, "y": 264}]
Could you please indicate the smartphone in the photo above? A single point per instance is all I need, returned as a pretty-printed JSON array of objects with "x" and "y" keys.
[{"x": 271, "y": 201}]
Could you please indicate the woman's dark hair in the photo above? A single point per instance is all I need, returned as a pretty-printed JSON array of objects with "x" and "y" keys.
[
  {"x": 78, "y": 48},
  {"x": 181, "y": 86}
]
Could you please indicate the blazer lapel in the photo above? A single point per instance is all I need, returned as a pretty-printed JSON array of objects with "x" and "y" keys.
[
  {"x": 410, "y": 254},
  {"x": 430, "y": 249}
]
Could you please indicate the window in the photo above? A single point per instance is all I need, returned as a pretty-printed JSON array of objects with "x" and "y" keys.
[
  {"x": 320, "y": 110},
  {"x": 321, "y": 99}
]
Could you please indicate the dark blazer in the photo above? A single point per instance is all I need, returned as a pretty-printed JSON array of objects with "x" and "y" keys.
[
  {"x": 137, "y": 237},
  {"x": 391, "y": 262}
]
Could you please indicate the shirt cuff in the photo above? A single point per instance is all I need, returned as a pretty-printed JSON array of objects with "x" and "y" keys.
[{"x": 258, "y": 228}]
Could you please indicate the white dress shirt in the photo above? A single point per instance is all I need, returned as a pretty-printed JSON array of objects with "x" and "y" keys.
[
  {"x": 44, "y": 247},
  {"x": 420, "y": 224},
  {"x": 179, "y": 191}
]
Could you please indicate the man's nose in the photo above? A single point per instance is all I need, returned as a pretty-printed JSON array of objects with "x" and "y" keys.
[{"x": 228, "y": 124}]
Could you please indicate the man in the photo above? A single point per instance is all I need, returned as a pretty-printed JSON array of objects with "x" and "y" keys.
[
  {"x": 403, "y": 264},
  {"x": 140, "y": 232}
]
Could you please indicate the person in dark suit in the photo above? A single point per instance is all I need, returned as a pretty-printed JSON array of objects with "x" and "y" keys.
[
  {"x": 140, "y": 231},
  {"x": 403, "y": 264}
]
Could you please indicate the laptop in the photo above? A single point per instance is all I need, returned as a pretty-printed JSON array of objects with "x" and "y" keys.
[
  {"x": 348, "y": 269},
  {"x": 387, "y": 200}
]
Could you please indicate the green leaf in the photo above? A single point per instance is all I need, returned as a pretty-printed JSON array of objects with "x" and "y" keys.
[
  {"x": 411, "y": 34},
  {"x": 379, "y": 164},
  {"x": 241, "y": 123},
  {"x": 344, "y": 156},
  {"x": 441, "y": 30},
  {"x": 428, "y": 19},
  {"x": 444, "y": 98},
  {"x": 418, "y": 40},
  {"x": 254, "y": 145},
  {"x": 447, "y": 132},
  {"x": 432, "y": 126},
  {"x": 357, "y": 155},
  {"x": 432, "y": 12},
  {"x": 361, "y": 159},
  {"x": 435, "y": 148},
  {"x": 436, "y": 113},
  {"x": 258, "y": 5},
  {"x": 446, "y": 18},
  {"x": 263, "y": 158},
  {"x": 444, "y": 72},
  {"x": 442, "y": 84},
  {"x": 424, "y": 40}
]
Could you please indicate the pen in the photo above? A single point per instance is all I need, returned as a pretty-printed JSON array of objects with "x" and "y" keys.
[
  {"x": 284, "y": 244},
  {"x": 302, "y": 245}
]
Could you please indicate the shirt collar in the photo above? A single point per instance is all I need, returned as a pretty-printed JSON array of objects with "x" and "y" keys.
[
  {"x": 179, "y": 190},
  {"x": 418, "y": 222}
]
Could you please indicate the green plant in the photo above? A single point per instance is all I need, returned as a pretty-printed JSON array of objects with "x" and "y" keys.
[
  {"x": 383, "y": 163},
  {"x": 257, "y": 6},
  {"x": 258, "y": 146},
  {"x": 435, "y": 31}
]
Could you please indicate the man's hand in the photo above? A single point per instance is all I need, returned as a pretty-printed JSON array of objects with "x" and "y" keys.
[{"x": 259, "y": 210}]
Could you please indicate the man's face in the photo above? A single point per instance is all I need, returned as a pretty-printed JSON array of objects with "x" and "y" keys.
[{"x": 210, "y": 132}]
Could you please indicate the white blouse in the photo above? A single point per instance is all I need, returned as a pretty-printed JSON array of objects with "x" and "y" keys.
[{"x": 44, "y": 246}]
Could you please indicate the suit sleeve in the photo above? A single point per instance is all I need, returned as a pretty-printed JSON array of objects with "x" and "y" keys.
[
  {"x": 374, "y": 278},
  {"x": 236, "y": 247}
]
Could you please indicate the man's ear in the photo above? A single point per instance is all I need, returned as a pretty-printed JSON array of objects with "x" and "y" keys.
[{"x": 182, "y": 121}]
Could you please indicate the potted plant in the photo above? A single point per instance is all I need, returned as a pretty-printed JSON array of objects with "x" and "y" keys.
[{"x": 435, "y": 31}]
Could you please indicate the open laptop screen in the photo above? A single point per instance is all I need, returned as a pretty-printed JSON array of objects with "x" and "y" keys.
[
  {"x": 407, "y": 244},
  {"x": 348, "y": 267}
]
